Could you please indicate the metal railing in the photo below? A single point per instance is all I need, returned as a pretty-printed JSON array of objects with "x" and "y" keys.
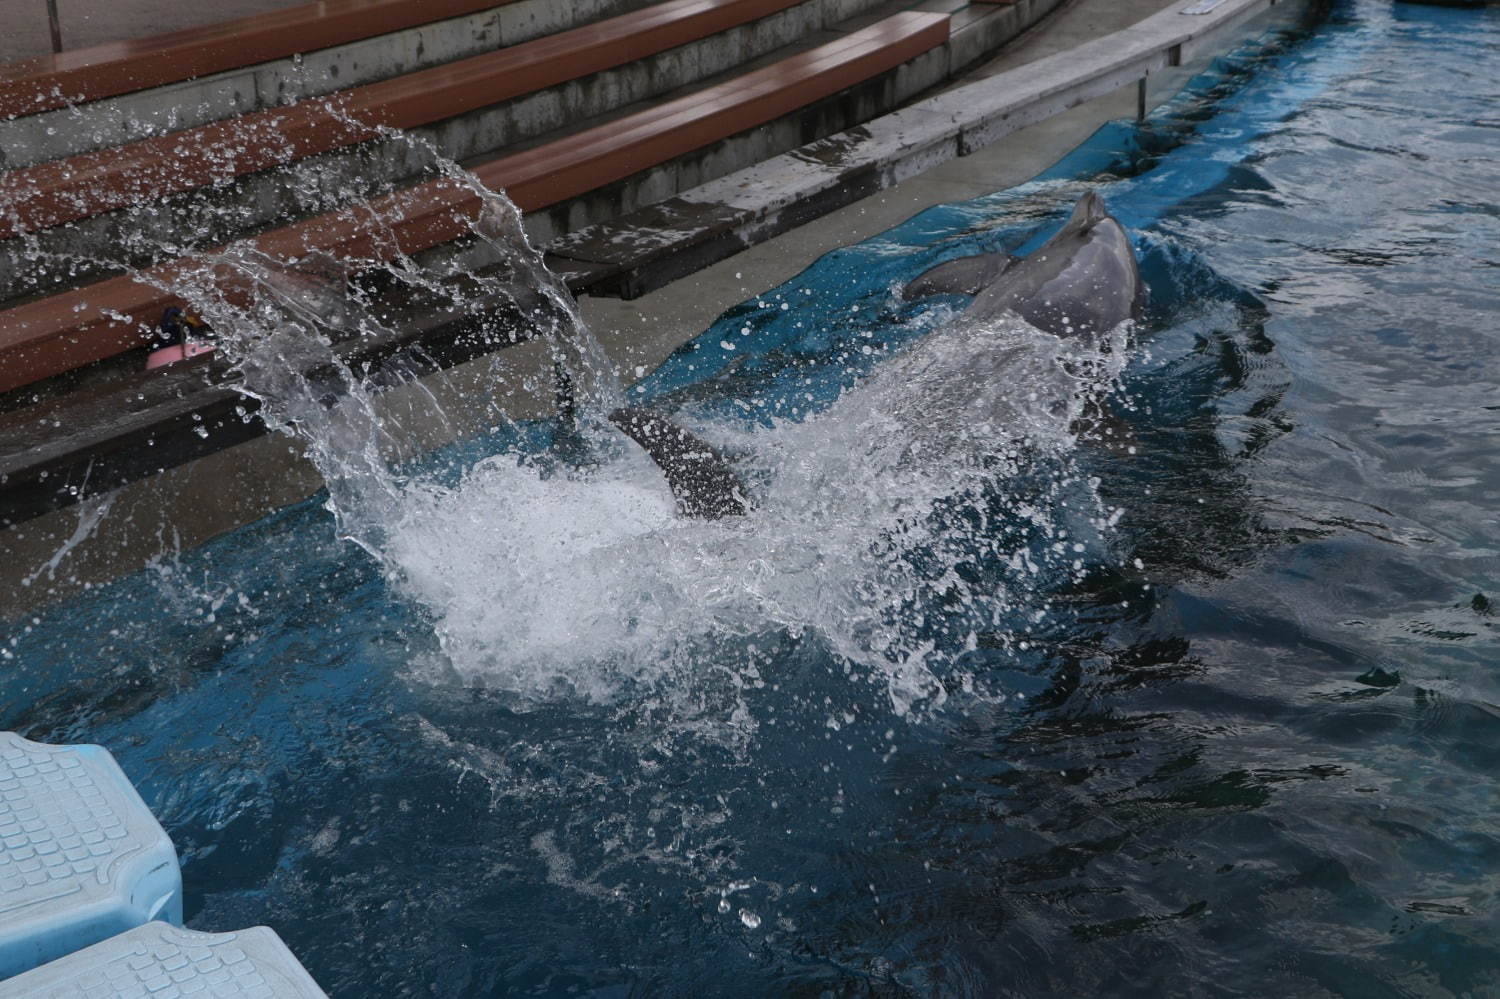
[{"x": 54, "y": 24}]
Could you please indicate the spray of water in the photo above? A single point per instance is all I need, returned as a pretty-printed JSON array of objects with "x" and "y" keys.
[
  {"x": 880, "y": 524},
  {"x": 887, "y": 524},
  {"x": 288, "y": 330}
]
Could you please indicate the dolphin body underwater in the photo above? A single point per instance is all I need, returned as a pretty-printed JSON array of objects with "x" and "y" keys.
[{"x": 1081, "y": 283}]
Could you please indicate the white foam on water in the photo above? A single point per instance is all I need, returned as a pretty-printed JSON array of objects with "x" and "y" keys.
[{"x": 581, "y": 583}]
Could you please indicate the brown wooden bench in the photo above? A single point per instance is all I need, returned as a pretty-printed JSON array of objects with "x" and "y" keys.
[
  {"x": 51, "y": 194},
  {"x": 65, "y": 331},
  {"x": 43, "y": 83}
]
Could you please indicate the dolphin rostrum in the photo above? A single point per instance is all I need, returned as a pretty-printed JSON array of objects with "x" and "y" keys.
[
  {"x": 1082, "y": 282},
  {"x": 701, "y": 481}
]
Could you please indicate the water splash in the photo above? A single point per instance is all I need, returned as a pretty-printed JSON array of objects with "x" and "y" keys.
[
  {"x": 868, "y": 517},
  {"x": 566, "y": 573},
  {"x": 910, "y": 516},
  {"x": 290, "y": 330},
  {"x": 91, "y": 512}
]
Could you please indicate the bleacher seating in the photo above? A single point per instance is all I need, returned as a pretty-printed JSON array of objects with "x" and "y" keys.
[
  {"x": 56, "y": 334},
  {"x": 43, "y": 83},
  {"x": 61, "y": 191}
]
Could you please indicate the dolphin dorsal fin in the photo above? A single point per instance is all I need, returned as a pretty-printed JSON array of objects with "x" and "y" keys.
[{"x": 1089, "y": 212}]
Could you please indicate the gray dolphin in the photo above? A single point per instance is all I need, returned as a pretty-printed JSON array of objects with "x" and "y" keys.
[
  {"x": 703, "y": 484},
  {"x": 1082, "y": 282},
  {"x": 963, "y": 276}
]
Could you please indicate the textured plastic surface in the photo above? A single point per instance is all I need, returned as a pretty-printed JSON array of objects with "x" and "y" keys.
[
  {"x": 81, "y": 856},
  {"x": 166, "y": 962}
]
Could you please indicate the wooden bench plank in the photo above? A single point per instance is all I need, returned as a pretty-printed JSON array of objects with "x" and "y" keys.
[
  {"x": 577, "y": 164},
  {"x": 44, "y": 83},
  {"x": 51, "y": 194},
  {"x": 55, "y": 334}
]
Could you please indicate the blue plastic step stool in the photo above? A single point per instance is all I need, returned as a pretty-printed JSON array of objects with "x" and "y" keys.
[
  {"x": 157, "y": 961},
  {"x": 81, "y": 856}
]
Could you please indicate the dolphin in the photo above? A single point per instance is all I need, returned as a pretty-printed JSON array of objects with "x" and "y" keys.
[
  {"x": 963, "y": 276},
  {"x": 1082, "y": 282},
  {"x": 702, "y": 482}
]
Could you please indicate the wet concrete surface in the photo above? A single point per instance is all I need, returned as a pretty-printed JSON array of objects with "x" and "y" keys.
[{"x": 1077, "y": 22}]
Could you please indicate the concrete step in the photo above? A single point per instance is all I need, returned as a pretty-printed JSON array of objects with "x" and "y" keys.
[
  {"x": 316, "y": 66},
  {"x": 59, "y": 191},
  {"x": 59, "y": 333}
]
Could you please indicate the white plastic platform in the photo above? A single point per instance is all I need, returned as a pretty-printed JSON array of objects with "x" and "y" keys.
[
  {"x": 81, "y": 856},
  {"x": 157, "y": 961}
]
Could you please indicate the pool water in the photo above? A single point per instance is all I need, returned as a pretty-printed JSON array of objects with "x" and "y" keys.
[{"x": 966, "y": 706}]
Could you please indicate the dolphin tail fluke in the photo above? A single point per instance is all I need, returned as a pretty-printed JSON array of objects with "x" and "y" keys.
[
  {"x": 564, "y": 394},
  {"x": 701, "y": 481}
]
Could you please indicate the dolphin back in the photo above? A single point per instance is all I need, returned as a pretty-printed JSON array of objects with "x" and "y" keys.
[
  {"x": 963, "y": 276},
  {"x": 703, "y": 484}
]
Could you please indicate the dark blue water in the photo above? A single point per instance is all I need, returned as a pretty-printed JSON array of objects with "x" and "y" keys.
[{"x": 1243, "y": 743}]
